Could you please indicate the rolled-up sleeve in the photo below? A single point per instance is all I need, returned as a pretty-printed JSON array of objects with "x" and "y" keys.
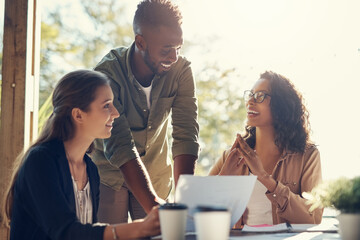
[
  {"x": 184, "y": 116},
  {"x": 292, "y": 206},
  {"x": 120, "y": 147}
]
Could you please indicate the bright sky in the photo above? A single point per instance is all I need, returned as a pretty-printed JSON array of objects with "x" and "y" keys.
[{"x": 314, "y": 43}]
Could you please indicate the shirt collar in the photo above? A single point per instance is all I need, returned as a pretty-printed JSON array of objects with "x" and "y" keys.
[{"x": 129, "y": 52}]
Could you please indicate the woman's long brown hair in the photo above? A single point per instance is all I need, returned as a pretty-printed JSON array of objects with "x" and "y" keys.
[{"x": 75, "y": 90}]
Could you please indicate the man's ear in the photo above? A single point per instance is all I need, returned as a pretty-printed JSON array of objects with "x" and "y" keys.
[
  {"x": 140, "y": 42},
  {"x": 77, "y": 115}
]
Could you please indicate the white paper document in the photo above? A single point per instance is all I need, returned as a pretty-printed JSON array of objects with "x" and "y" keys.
[
  {"x": 266, "y": 228},
  {"x": 232, "y": 192}
]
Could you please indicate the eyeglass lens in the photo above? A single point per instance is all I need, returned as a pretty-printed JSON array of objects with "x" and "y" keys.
[{"x": 258, "y": 96}]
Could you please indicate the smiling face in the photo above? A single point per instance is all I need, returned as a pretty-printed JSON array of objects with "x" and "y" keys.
[
  {"x": 162, "y": 47},
  {"x": 259, "y": 114},
  {"x": 98, "y": 120}
]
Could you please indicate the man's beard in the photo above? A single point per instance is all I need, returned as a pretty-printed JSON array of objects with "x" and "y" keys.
[{"x": 149, "y": 63}]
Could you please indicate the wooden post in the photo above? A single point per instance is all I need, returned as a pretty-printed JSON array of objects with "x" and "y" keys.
[{"x": 20, "y": 85}]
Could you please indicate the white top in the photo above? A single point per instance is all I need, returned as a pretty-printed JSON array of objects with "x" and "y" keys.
[
  {"x": 258, "y": 210},
  {"x": 84, "y": 209},
  {"x": 147, "y": 91}
]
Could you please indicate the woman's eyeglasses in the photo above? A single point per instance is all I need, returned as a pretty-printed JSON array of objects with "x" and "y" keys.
[{"x": 258, "y": 97}]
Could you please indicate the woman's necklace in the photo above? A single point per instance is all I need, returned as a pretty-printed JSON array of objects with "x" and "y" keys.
[{"x": 80, "y": 180}]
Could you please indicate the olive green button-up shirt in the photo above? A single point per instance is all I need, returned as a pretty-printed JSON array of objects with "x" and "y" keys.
[{"x": 142, "y": 132}]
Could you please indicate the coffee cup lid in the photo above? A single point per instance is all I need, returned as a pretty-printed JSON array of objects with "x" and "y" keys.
[
  {"x": 203, "y": 208},
  {"x": 176, "y": 206}
]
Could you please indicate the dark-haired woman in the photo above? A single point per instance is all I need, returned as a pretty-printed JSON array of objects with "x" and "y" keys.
[
  {"x": 276, "y": 148},
  {"x": 54, "y": 193}
]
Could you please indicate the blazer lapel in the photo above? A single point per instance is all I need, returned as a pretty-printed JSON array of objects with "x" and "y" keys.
[
  {"x": 94, "y": 187},
  {"x": 67, "y": 181}
]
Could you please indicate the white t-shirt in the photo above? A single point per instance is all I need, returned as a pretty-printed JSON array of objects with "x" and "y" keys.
[
  {"x": 258, "y": 210},
  {"x": 147, "y": 91}
]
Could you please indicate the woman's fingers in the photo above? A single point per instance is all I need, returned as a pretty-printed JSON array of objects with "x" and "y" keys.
[
  {"x": 236, "y": 143},
  {"x": 235, "y": 157},
  {"x": 231, "y": 163},
  {"x": 244, "y": 148},
  {"x": 232, "y": 158},
  {"x": 240, "y": 157},
  {"x": 250, "y": 157}
]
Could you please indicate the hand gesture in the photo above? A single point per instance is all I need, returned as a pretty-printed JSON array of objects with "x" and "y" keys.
[
  {"x": 249, "y": 156},
  {"x": 231, "y": 164}
]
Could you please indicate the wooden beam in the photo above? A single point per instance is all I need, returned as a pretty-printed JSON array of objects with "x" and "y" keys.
[{"x": 19, "y": 95}]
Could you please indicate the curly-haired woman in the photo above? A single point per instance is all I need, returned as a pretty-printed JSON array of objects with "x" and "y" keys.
[{"x": 275, "y": 148}]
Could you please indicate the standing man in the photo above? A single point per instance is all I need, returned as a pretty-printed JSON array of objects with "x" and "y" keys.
[{"x": 149, "y": 80}]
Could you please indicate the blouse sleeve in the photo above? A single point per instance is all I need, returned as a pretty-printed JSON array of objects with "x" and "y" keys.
[
  {"x": 292, "y": 206},
  {"x": 216, "y": 168},
  {"x": 44, "y": 199}
]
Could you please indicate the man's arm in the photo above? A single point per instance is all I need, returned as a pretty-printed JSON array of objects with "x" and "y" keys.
[
  {"x": 120, "y": 149},
  {"x": 183, "y": 164},
  {"x": 138, "y": 181},
  {"x": 185, "y": 134}
]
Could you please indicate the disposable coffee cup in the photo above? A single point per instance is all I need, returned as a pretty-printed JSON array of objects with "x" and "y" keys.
[
  {"x": 212, "y": 223},
  {"x": 173, "y": 221}
]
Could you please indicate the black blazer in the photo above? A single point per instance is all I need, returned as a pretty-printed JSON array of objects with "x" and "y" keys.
[{"x": 44, "y": 202}]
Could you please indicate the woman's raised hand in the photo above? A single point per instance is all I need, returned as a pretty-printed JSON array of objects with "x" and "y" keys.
[
  {"x": 250, "y": 157},
  {"x": 231, "y": 164}
]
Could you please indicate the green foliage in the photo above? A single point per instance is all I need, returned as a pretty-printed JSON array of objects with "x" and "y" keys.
[
  {"x": 110, "y": 22},
  {"x": 53, "y": 43},
  {"x": 221, "y": 111},
  {"x": 66, "y": 47},
  {"x": 342, "y": 194},
  {"x": 45, "y": 112}
]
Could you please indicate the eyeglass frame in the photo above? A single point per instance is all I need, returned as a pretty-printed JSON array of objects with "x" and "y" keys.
[{"x": 252, "y": 95}]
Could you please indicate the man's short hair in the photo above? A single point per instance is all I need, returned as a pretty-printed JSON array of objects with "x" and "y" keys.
[{"x": 155, "y": 13}]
